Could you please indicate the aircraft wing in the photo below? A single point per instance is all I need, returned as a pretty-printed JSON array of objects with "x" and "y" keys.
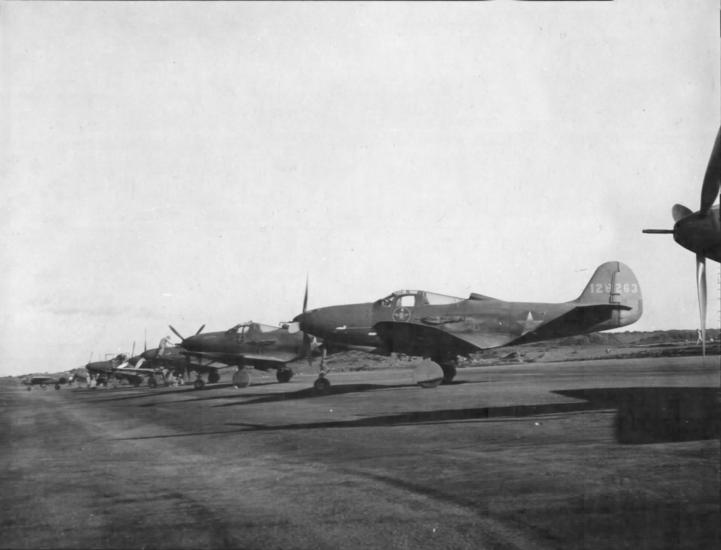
[
  {"x": 261, "y": 361},
  {"x": 133, "y": 371},
  {"x": 423, "y": 339}
]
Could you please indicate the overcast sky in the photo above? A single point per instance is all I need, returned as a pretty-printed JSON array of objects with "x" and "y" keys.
[{"x": 190, "y": 163}]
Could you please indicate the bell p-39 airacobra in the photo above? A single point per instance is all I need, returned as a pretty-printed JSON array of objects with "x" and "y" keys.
[
  {"x": 44, "y": 381},
  {"x": 441, "y": 328},
  {"x": 121, "y": 368},
  {"x": 263, "y": 347}
]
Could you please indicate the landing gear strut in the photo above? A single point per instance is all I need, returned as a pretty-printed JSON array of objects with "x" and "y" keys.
[{"x": 322, "y": 384}]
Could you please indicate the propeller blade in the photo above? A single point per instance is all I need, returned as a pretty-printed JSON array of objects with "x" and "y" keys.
[
  {"x": 712, "y": 178},
  {"x": 132, "y": 351},
  {"x": 305, "y": 296},
  {"x": 679, "y": 211},
  {"x": 199, "y": 330},
  {"x": 176, "y": 332},
  {"x": 701, "y": 291},
  {"x": 658, "y": 231},
  {"x": 145, "y": 340}
]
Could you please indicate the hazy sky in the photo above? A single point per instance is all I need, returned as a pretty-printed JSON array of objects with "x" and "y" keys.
[{"x": 189, "y": 163}]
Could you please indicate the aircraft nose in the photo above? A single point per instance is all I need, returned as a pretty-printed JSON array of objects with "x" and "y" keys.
[{"x": 307, "y": 321}]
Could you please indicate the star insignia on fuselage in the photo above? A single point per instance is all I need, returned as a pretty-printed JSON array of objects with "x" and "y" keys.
[
  {"x": 401, "y": 314},
  {"x": 530, "y": 324}
]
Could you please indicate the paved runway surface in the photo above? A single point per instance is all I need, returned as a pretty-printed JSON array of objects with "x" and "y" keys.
[{"x": 595, "y": 454}]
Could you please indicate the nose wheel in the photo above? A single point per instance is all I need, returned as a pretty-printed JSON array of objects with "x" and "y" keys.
[{"x": 322, "y": 384}]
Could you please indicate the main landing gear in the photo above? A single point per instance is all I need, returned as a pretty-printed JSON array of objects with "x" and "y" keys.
[
  {"x": 241, "y": 378},
  {"x": 199, "y": 383},
  {"x": 431, "y": 379},
  {"x": 449, "y": 370}
]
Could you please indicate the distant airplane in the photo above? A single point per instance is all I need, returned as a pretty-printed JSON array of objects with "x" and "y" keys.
[
  {"x": 119, "y": 368},
  {"x": 700, "y": 231},
  {"x": 441, "y": 328},
  {"x": 44, "y": 381},
  {"x": 262, "y": 347}
]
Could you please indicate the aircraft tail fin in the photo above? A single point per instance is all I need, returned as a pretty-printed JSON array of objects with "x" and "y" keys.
[{"x": 614, "y": 286}]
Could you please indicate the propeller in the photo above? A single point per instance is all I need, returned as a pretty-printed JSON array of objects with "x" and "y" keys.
[
  {"x": 712, "y": 177},
  {"x": 701, "y": 291},
  {"x": 171, "y": 327},
  {"x": 181, "y": 337},
  {"x": 307, "y": 351},
  {"x": 709, "y": 192}
]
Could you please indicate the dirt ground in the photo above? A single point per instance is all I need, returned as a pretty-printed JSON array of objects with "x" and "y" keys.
[{"x": 592, "y": 454}]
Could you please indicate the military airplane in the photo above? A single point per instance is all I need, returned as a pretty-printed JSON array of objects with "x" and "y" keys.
[
  {"x": 700, "y": 231},
  {"x": 250, "y": 344},
  {"x": 441, "y": 328},
  {"x": 120, "y": 368},
  {"x": 44, "y": 381}
]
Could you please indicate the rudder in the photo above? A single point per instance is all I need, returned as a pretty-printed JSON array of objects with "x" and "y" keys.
[{"x": 613, "y": 283}]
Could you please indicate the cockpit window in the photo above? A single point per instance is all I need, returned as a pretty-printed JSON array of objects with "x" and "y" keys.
[
  {"x": 407, "y": 301},
  {"x": 433, "y": 299},
  {"x": 265, "y": 328}
]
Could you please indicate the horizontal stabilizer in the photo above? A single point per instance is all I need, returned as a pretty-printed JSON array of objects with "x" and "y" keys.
[{"x": 475, "y": 296}]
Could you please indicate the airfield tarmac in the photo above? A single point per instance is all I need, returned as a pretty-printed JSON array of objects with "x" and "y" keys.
[{"x": 592, "y": 454}]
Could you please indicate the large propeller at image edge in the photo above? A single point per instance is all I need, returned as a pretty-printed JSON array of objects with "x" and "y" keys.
[{"x": 709, "y": 192}]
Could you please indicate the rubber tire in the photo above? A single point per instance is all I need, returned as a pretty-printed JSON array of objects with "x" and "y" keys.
[
  {"x": 284, "y": 375},
  {"x": 199, "y": 384},
  {"x": 449, "y": 373},
  {"x": 241, "y": 378},
  {"x": 321, "y": 385},
  {"x": 152, "y": 382}
]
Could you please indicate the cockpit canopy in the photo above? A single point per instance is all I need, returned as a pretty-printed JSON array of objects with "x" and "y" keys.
[
  {"x": 413, "y": 298},
  {"x": 250, "y": 327}
]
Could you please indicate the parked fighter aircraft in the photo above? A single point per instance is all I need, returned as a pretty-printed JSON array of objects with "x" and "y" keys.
[
  {"x": 120, "y": 368},
  {"x": 441, "y": 328},
  {"x": 700, "y": 232},
  {"x": 44, "y": 381},
  {"x": 263, "y": 347}
]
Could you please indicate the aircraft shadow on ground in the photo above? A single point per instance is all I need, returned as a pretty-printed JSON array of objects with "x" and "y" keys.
[
  {"x": 307, "y": 393},
  {"x": 643, "y": 415},
  {"x": 177, "y": 390},
  {"x": 656, "y": 415}
]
